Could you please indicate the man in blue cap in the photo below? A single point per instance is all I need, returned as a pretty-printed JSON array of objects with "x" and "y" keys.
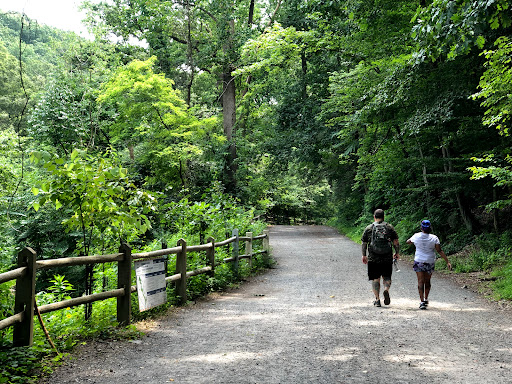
[{"x": 426, "y": 245}]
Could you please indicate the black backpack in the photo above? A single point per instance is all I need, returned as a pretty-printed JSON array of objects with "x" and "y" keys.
[{"x": 380, "y": 242}]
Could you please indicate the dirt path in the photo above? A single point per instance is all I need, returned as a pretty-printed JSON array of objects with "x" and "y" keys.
[{"x": 311, "y": 320}]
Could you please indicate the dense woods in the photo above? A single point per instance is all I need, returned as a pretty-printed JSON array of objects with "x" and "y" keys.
[{"x": 310, "y": 111}]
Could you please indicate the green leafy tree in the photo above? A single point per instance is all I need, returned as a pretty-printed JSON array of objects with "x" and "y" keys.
[
  {"x": 66, "y": 115},
  {"x": 446, "y": 29},
  {"x": 496, "y": 86},
  {"x": 189, "y": 37},
  {"x": 102, "y": 203},
  {"x": 102, "y": 199},
  {"x": 12, "y": 98},
  {"x": 152, "y": 121}
]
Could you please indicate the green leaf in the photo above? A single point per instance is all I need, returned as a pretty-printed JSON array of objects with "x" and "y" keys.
[
  {"x": 35, "y": 191},
  {"x": 480, "y": 42},
  {"x": 58, "y": 204},
  {"x": 36, "y": 206},
  {"x": 74, "y": 154}
]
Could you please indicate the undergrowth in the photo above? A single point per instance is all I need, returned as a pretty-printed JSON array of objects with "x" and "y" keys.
[{"x": 503, "y": 286}]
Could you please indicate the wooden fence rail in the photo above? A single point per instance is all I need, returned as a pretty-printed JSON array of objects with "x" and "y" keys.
[{"x": 28, "y": 265}]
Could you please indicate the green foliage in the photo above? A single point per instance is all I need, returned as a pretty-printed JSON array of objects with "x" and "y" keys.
[
  {"x": 12, "y": 208},
  {"x": 152, "y": 121},
  {"x": 102, "y": 201},
  {"x": 146, "y": 101},
  {"x": 487, "y": 253},
  {"x": 6, "y": 310},
  {"x": 503, "y": 286},
  {"x": 12, "y": 98},
  {"x": 65, "y": 116},
  {"x": 18, "y": 365},
  {"x": 477, "y": 260},
  {"x": 452, "y": 28},
  {"x": 500, "y": 172},
  {"x": 60, "y": 287},
  {"x": 496, "y": 86}
]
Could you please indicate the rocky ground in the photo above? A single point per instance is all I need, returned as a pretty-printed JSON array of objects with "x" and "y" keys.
[{"x": 311, "y": 320}]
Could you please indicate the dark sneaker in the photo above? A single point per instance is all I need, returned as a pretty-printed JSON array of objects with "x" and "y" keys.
[
  {"x": 387, "y": 299},
  {"x": 425, "y": 302},
  {"x": 423, "y": 305},
  {"x": 377, "y": 303}
]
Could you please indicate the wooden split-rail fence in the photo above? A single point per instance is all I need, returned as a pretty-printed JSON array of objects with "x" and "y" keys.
[{"x": 28, "y": 265}]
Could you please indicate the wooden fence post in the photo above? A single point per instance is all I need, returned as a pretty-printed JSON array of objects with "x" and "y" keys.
[
  {"x": 248, "y": 247},
  {"x": 210, "y": 256},
  {"x": 266, "y": 246},
  {"x": 124, "y": 280},
  {"x": 236, "y": 251},
  {"x": 181, "y": 268},
  {"x": 23, "y": 332},
  {"x": 166, "y": 262},
  {"x": 202, "y": 229}
]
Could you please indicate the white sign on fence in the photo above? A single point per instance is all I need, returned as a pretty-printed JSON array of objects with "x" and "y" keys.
[{"x": 150, "y": 283}]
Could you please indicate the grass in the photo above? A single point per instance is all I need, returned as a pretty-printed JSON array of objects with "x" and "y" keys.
[
  {"x": 493, "y": 263},
  {"x": 503, "y": 286}
]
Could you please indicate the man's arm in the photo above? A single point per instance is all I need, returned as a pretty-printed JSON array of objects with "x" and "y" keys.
[
  {"x": 395, "y": 242},
  {"x": 396, "y": 245},
  {"x": 364, "y": 247}
]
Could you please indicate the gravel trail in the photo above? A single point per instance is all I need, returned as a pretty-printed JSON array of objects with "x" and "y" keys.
[{"x": 311, "y": 320}]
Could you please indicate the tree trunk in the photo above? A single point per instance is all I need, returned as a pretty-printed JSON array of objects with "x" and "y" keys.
[
  {"x": 251, "y": 13},
  {"x": 465, "y": 212},
  {"x": 190, "y": 57},
  {"x": 304, "y": 64},
  {"x": 229, "y": 121},
  {"x": 229, "y": 113},
  {"x": 495, "y": 212}
]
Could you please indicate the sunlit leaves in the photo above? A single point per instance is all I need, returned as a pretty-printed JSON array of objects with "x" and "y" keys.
[
  {"x": 499, "y": 171},
  {"x": 153, "y": 121},
  {"x": 97, "y": 193},
  {"x": 278, "y": 47},
  {"x": 451, "y": 28},
  {"x": 496, "y": 86}
]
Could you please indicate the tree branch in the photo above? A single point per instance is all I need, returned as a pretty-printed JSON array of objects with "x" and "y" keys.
[
  {"x": 274, "y": 13},
  {"x": 160, "y": 117}
]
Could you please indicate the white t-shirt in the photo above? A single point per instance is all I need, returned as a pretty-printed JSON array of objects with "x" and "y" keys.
[{"x": 425, "y": 244}]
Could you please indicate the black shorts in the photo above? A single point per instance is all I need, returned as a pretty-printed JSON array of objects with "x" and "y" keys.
[{"x": 376, "y": 270}]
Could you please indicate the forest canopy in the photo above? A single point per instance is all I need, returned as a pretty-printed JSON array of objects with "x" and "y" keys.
[{"x": 301, "y": 109}]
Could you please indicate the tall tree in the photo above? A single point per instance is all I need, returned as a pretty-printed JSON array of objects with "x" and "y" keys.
[{"x": 211, "y": 33}]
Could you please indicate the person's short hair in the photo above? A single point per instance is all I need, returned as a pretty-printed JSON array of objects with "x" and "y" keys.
[{"x": 378, "y": 214}]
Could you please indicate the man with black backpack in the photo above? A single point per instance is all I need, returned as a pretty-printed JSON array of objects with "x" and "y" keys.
[{"x": 379, "y": 238}]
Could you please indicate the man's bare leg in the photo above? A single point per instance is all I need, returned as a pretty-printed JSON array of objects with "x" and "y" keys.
[
  {"x": 387, "y": 285},
  {"x": 376, "y": 288}
]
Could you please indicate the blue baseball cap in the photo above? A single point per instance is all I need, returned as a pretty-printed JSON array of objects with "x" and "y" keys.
[{"x": 425, "y": 224}]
